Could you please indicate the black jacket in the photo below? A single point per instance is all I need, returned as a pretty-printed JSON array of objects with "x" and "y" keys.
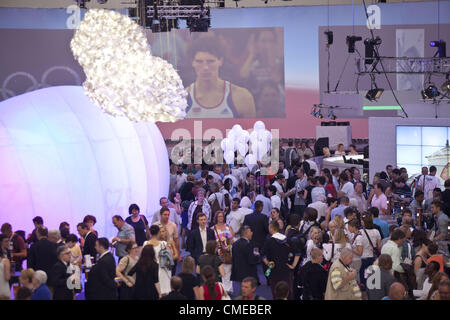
[
  {"x": 313, "y": 278},
  {"x": 173, "y": 295},
  {"x": 42, "y": 255},
  {"x": 89, "y": 245},
  {"x": 243, "y": 261},
  {"x": 58, "y": 280},
  {"x": 259, "y": 224},
  {"x": 101, "y": 284},
  {"x": 195, "y": 244}
]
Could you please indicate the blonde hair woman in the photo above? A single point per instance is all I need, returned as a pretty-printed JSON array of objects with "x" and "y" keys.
[
  {"x": 332, "y": 251},
  {"x": 326, "y": 152},
  {"x": 315, "y": 236}
]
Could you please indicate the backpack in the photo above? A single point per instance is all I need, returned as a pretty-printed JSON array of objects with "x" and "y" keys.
[
  {"x": 300, "y": 238},
  {"x": 165, "y": 258},
  {"x": 288, "y": 154}
]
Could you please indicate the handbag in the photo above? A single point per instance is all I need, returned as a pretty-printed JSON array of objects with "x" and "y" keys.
[
  {"x": 224, "y": 295},
  {"x": 226, "y": 253},
  {"x": 376, "y": 252}
]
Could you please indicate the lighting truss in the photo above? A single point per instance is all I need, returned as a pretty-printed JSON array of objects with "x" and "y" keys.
[{"x": 405, "y": 65}]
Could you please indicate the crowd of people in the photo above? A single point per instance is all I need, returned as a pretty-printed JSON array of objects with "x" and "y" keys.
[{"x": 308, "y": 234}]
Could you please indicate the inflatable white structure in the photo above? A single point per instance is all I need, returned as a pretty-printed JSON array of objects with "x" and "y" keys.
[{"x": 61, "y": 158}]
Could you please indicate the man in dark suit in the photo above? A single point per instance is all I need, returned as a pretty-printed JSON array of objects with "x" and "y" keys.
[
  {"x": 196, "y": 243},
  {"x": 101, "y": 284},
  {"x": 259, "y": 224},
  {"x": 42, "y": 254},
  {"x": 57, "y": 278},
  {"x": 89, "y": 240},
  {"x": 244, "y": 260}
]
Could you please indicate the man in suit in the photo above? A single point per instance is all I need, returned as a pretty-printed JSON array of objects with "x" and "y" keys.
[
  {"x": 259, "y": 224},
  {"x": 59, "y": 274},
  {"x": 42, "y": 254},
  {"x": 54, "y": 235},
  {"x": 244, "y": 260},
  {"x": 101, "y": 284},
  {"x": 89, "y": 240},
  {"x": 198, "y": 238}
]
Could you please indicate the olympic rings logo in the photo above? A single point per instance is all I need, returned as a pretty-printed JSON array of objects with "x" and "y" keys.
[{"x": 7, "y": 93}]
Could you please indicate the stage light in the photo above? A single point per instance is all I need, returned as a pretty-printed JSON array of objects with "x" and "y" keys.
[
  {"x": 370, "y": 48},
  {"x": 374, "y": 94},
  {"x": 329, "y": 35},
  {"x": 430, "y": 92},
  {"x": 446, "y": 85},
  {"x": 351, "y": 40},
  {"x": 441, "y": 45},
  {"x": 331, "y": 115}
]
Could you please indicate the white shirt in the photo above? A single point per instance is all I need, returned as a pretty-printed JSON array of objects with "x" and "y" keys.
[
  {"x": 367, "y": 248},
  {"x": 355, "y": 242},
  {"x": 335, "y": 182},
  {"x": 286, "y": 173},
  {"x": 275, "y": 201},
  {"x": 431, "y": 182},
  {"x": 216, "y": 177},
  {"x": 339, "y": 153},
  {"x": 321, "y": 208},
  {"x": 309, "y": 246},
  {"x": 203, "y": 236},
  {"x": 279, "y": 188},
  {"x": 234, "y": 180},
  {"x": 237, "y": 173},
  {"x": 267, "y": 204},
  {"x": 327, "y": 253},
  {"x": 235, "y": 219},
  {"x": 348, "y": 189},
  {"x": 313, "y": 165},
  {"x": 180, "y": 180},
  {"x": 361, "y": 202},
  {"x": 316, "y": 192}
]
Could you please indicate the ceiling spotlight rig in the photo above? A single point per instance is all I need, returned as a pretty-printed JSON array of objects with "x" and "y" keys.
[{"x": 316, "y": 111}]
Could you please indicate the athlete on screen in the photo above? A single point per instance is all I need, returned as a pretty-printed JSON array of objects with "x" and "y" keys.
[{"x": 209, "y": 95}]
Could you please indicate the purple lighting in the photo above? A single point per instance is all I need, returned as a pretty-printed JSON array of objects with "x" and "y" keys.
[{"x": 61, "y": 158}]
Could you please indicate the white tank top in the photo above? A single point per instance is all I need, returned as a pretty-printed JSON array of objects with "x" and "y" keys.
[{"x": 224, "y": 109}]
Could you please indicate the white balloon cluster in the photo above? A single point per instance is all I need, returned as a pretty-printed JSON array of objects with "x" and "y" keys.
[
  {"x": 237, "y": 140},
  {"x": 122, "y": 77}
]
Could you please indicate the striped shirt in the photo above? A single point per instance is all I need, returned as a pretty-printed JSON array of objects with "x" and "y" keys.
[{"x": 337, "y": 280}]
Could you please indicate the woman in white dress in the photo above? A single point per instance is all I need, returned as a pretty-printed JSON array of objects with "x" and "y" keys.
[
  {"x": 5, "y": 271},
  {"x": 164, "y": 273}
]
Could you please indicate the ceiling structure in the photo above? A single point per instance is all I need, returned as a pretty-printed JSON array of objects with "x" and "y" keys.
[{"x": 121, "y": 4}]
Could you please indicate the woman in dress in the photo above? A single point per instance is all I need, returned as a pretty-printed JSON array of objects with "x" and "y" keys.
[
  {"x": 211, "y": 290},
  {"x": 164, "y": 274},
  {"x": 147, "y": 285},
  {"x": 224, "y": 239},
  {"x": 139, "y": 223}
]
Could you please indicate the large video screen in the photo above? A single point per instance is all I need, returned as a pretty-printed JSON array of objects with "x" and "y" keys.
[
  {"x": 228, "y": 73},
  {"x": 419, "y": 146}
]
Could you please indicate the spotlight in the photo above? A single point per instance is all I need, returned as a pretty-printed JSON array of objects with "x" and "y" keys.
[
  {"x": 430, "y": 92},
  {"x": 351, "y": 40},
  {"x": 446, "y": 85},
  {"x": 374, "y": 94},
  {"x": 316, "y": 112},
  {"x": 441, "y": 48},
  {"x": 370, "y": 48},
  {"x": 331, "y": 115}
]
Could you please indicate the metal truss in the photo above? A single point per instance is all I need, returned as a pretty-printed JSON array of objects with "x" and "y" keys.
[
  {"x": 404, "y": 65},
  {"x": 176, "y": 12}
]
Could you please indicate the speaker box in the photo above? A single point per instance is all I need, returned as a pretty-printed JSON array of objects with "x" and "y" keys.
[
  {"x": 343, "y": 124},
  {"x": 327, "y": 123},
  {"x": 319, "y": 145}
]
